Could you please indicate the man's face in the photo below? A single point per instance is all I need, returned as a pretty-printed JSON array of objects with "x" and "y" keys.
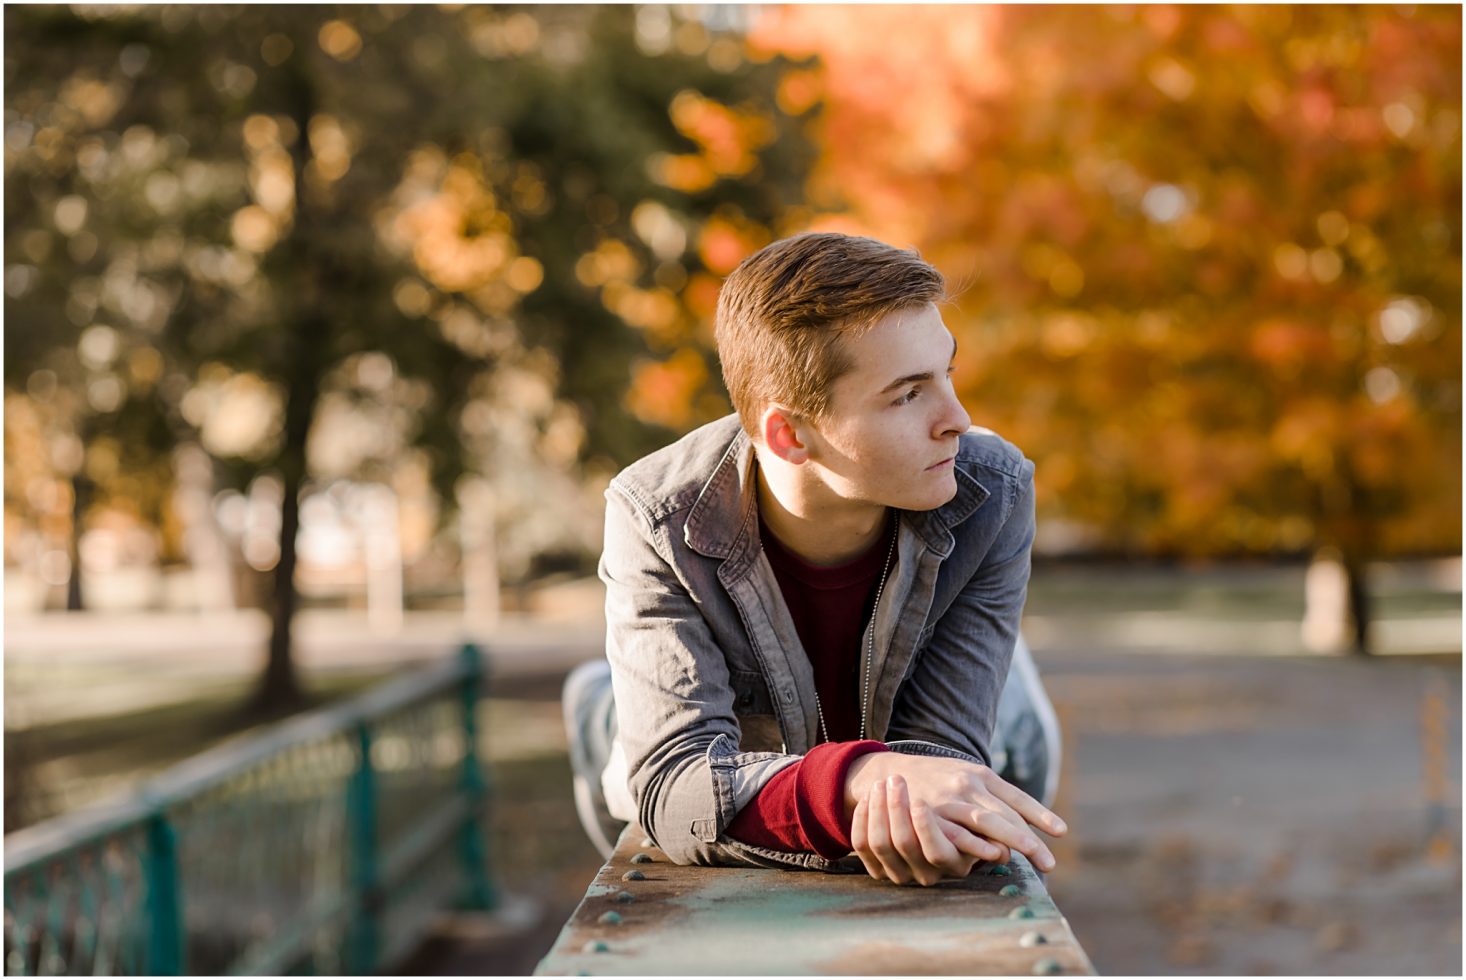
[{"x": 891, "y": 434}]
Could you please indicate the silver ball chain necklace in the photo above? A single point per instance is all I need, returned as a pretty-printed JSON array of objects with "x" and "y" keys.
[{"x": 869, "y": 656}]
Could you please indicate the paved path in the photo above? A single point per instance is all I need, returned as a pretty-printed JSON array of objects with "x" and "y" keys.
[{"x": 1245, "y": 815}]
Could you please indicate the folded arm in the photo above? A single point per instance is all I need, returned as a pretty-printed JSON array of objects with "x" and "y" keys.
[
  {"x": 919, "y": 817},
  {"x": 674, "y": 703}
]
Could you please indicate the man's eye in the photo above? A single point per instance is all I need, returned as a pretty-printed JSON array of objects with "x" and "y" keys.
[{"x": 909, "y": 397}]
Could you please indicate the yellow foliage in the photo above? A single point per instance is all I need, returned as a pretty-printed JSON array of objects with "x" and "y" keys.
[
  {"x": 685, "y": 172},
  {"x": 726, "y": 239},
  {"x": 663, "y": 392},
  {"x": 1228, "y": 324},
  {"x": 459, "y": 239},
  {"x": 253, "y": 228},
  {"x": 339, "y": 40}
]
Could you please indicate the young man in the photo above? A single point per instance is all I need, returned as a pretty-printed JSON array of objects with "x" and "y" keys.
[{"x": 812, "y": 605}]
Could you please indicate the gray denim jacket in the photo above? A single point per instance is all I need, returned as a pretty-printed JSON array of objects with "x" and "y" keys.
[{"x": 714, "y": 693}]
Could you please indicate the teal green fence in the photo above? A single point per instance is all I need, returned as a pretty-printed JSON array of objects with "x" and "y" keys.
[{"x": 325, "y": 844}]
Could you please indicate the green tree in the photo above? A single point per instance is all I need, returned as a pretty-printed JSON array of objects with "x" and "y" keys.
[{"x": 382, "y": 205}]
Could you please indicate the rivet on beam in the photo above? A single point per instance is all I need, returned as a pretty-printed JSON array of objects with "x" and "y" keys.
[
  {"x": 1047, "y": 967},
  {"x": 1010, "y": 890},
  {"x": 596, "y": 946},
  {"x": 633, "y": 875},
  {"x": 611, "y": 918},
  {"x": 625, "y": 898},
  {"x": 641, "y": 858},
  {"x": 1001, "y": 870},
  {"x": 648, "y": 842},
  {"x": 1031, "y": 939},
  {"x": 1023, "y": 912}
]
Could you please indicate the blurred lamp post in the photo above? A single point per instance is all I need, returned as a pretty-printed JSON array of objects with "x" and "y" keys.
[
  {"x": 1326, "y": 604},
  {"x": 476, "y": 506},
  {"x": 204, "y": 542},
  {"x": 383, "y": 545}
]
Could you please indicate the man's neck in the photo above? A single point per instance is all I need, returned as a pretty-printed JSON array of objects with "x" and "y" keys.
[{"x": 813, "y": 523}]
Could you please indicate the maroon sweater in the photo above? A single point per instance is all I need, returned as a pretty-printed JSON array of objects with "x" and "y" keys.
[{"x": 803, "y": 807}]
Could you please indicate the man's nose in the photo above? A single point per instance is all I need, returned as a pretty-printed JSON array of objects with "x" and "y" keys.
[{"x": 954, "y": 419}]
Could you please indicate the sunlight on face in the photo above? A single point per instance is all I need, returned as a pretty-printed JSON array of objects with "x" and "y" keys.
[{"x": 894, "y": 418}]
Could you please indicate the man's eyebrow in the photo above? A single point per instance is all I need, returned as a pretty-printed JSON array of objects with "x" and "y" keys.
[
  {"x": 906, "y": 380},
  {"x": 914, "y": 378}
]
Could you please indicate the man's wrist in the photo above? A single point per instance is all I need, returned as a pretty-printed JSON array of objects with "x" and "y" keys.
[{"x": 862, "y": 775}]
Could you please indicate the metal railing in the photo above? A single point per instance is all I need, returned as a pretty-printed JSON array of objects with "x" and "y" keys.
[{"x": 324, "y": 844}]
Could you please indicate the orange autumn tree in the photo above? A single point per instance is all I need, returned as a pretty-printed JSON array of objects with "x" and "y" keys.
[
  {"x": 735, "y": 186},
  {"x": 1210, "y": 258}
]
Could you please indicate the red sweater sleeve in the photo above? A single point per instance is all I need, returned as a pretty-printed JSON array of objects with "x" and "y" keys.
[{"x": 803, "y": 807}]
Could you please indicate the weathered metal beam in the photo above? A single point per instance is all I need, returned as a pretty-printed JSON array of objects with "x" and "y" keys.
[{"x": 744, "y": 921}]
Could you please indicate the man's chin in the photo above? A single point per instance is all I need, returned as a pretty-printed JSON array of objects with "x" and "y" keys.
[{"x": 933, "y": 496}]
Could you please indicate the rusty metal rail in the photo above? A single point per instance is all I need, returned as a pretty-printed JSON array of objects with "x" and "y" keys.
[{"x": 645, "y": 915}]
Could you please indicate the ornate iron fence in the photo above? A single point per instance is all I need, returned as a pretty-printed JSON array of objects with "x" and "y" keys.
[{"x": 322, "y": 845}]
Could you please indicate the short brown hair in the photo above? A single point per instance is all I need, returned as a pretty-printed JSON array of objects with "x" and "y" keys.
[{"x": 783, "y": 311}]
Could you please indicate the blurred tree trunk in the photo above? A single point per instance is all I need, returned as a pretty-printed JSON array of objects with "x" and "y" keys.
[
  {"x": 301, "y": 357},
  {"x": 81, "y": 491},
  {"x": 1347, "y": 526},
  {"x": 280, "y": 688},
  {"x": 1360, "y": 607}
]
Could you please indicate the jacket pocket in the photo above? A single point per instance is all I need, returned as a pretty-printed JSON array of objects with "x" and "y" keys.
[{"x": 750, "y": 693}]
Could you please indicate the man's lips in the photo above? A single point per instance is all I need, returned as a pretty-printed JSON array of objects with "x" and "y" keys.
[{"x": 942, "y": 465}]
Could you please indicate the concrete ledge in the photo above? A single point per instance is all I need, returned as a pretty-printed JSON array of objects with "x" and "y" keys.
[{"x": 744, "y": 921}]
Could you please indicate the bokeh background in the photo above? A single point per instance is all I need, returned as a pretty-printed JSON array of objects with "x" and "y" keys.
[{"x": 325, "y": 328}]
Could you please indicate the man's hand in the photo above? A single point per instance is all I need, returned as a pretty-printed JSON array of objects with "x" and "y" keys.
[
  {"x": 904, "y": 841},
  {"x": 940, "y": 817}
]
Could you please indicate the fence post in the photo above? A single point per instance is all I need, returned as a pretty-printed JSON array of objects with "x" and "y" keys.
[
  {"x": 475, "y": 788},
  {"x": 361, "y": 818},
  {"x": 165, "y": 909}
]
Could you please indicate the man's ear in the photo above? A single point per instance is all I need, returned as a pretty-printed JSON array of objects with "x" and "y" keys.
[{"x": 780, "y": 430}]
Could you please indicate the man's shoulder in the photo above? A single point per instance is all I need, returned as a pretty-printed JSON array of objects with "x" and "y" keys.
[
  {"x": 671, "y": 478},
  {"x": 984, "y": 449}
]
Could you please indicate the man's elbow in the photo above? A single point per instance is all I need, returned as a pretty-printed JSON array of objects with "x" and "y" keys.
[
  {"x": 684, "y": 849},
  {"x": 678, "y": 839},
  {"x": 685, "y": 838}
]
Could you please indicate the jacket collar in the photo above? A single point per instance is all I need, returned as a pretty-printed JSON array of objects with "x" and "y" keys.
[
  {"x": 723, "y": 520},
  {"x": 719, "y": 518},
  {"x": 935, "y": 526}
]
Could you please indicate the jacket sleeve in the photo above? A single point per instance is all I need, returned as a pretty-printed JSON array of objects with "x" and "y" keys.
[
  {"x": 674, "y": 704},
  {"x": 951, "y": 697}
]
